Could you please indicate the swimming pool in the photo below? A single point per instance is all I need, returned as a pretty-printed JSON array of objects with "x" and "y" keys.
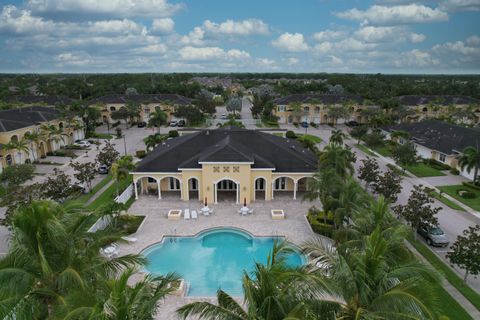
[{"x": 213, "y": 259}]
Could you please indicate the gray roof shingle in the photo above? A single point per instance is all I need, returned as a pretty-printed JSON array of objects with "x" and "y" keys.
[
  {"x": 229, "y": 145},
  {"x": 322, "y": 98},
  {"x": 143, "y": 98},
  {"x": 14, "y": 119},
  {"x": 416, "y": 100}
]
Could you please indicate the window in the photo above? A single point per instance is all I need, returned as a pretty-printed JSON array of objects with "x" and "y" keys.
[
  {"x": 193, "y": 184},
  {"x": 281, "y": 108},
  {"x": 260, "y": 184},
  {"x": 306, "y": 109},
  {"x": 151, "y": 180},
  {"x": 281, "y": 183},
  {"x": 317, "y": 109},
  {"x": 442, "y": 157},
  {"x": 113, "y": 108},
  {"x": 401, "y": 140},
  {"x": 174, "y": 184},
  {"x": 9, "y": 160}
]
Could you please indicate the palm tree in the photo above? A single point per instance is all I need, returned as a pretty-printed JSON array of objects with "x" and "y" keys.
[
  {"x": 21, "y": 146},
  {"x": 337, "y": 137},
  {"x": 116, "y": 299},
  {"x": 152, "y": 140},
  {"x": 296, "y": 109},
  {"x": 33, "y": 138},
  {"x": 157, "y": 118},
  {"x": 273, "y": 291},
  {"x": 470, "y": 159},
  {"x": 371, "y": 284},
  {"x": 51, "y": 255},
  {"x": 351, "y": 198},
  {"x": 338, "y": 158},
  {"x": 121, "y": 169},
  {"x": 7, "y": 147},
  {"x": 399, "y": 134}
]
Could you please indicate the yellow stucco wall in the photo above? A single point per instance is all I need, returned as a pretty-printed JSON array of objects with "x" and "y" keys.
[{"x": 210, "y": 174}]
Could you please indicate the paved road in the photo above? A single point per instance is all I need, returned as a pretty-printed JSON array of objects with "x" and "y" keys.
[
  {"x": 453, "y": 222},
  {"x": 247, "y": 119}
]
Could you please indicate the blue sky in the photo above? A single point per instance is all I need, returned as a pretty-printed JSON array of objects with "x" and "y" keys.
[{"x": 388, "y": 36}]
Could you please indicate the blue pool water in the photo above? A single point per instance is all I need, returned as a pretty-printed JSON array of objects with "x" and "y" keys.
[{"x": 213, "y": 259}]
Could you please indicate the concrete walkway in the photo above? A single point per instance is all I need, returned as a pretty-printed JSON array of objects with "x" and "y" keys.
[{"x": 99, "y": 192}]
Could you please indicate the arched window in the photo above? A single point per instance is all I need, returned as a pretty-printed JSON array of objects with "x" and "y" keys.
[
  {"x": 9, "y": 160},
  {"x": 113, "y": 108},
  {"x": 306, "y": 109}
]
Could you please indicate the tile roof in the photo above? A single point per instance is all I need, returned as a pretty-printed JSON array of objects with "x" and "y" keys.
[
  {"x": 439, "y": 135},
  {"x": 229, "y": 145},
  {"x": 143, "y": 98},
  {"x": 322, "y": 98},
  {"x": 48, "y": 100},
  {"x": 415, "y": 100},
  {"x": 14, "y": 119}
]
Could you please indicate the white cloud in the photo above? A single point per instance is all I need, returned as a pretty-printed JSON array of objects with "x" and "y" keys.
[
  {"x": 124, "y": 26},
  {"x": 352, "y": 44},
  {"x": 116, "y": 8},
  {"x": 211, "y": 53},
  {"x": 457, "y": 47},
  {"x": 460, "y": 5},
  {"x": 323, "y": 47},
  {"x": 72, "y": 59},
  {"x": 417, "y": 37},
  {"x": 293, "y": 61},
  {"x": 195, "y": 37},
  {"x": 374, "y": 34},
  {"x": 159, "y": 48},
  {"x": 415, "y": 58},
  {"x": 473, "y": 41},
  {"x": 238, "y": 28},
  {"x": 401, "y": 14},
  {"x": 329, "y": 35},
  {"x": 21, "y": 22},
  {"x": 163, "y": 25},
  {"x": 291, "y": 42},
  {"x": 335, "y": 60}
]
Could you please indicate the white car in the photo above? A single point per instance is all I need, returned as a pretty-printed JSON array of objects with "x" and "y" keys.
[
  {"x": 224, "y": 117},
  {"x": 83, "y": 143}
]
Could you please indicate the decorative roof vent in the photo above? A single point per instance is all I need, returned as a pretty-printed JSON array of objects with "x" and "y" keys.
[{"x": 207, "y": 133}]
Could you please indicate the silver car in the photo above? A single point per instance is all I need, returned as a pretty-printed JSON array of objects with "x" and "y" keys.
[{"x": 434, "y": 236}]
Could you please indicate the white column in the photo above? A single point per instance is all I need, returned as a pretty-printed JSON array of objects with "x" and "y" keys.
[
  {"x": 135, "y": 187},
  {"x": 215, "y": 193},
  {"x": 159, "y": 192},
  {"x": 238, "y": 192},
  {"x": 181, "y": 190},
  {"x": 295, "y": 186},
  {"x": 273, "y": 187}
]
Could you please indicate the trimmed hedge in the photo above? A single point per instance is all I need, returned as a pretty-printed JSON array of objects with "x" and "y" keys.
[
  {"x": 466, "y": 194},
  {"x": 320, "y": 223},
  {"x": 471, "y": 185},
  {"x": 290, "y": 134},
  {"x": 173, "y": 133},
  {"x": 437, "y": 164},
  {"x": 140, "y": 154},
  {"x": 454, "y": 171}
]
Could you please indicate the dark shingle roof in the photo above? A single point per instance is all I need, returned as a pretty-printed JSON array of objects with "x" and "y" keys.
[
  {"x": 48, "y": 100},
  {"x": 143, "y": 98},
  {"x": 439, "y": 135},
  {"x": 415, "y": 100},
  {"x": 15, "y": 119},
  {"x": 229, "y": 145},
  {"x": 322, "y": 98}
]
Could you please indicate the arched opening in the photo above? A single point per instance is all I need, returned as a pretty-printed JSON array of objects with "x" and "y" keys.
[
  {"x": 170, "y": 188},
  {"x": 193, "y": 189},
  {"x": 283, "y": 188},
  {"x": 260, "y": 188},
  {"x": 425, "y": 109},
  {"x": 325, "y": 118},
  {"x": 71, "y": 138},
  {"x": 226, "y": 190},
  {"x": 104, "y": 119},
  {"x": 302, "y": 187},
  {"x": 41, "y": 150},
  {"x": 60, "y": 126},
  {"x": 290, "y": 119},
  {"x": 14, "y": 139},
  {"x": 147, "y": 186},
  {"x": 9, "y": 160}
]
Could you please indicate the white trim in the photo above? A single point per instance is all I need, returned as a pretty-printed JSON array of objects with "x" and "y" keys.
[
  {"x": 283, "y": 173},
  {"x": 225, "y": 162},
  {"x": 265, "y": 188},
  {"x": 189, "y": 169},
  {"x": 261, "y": 169},
  {"x": 132, "y": 173}
]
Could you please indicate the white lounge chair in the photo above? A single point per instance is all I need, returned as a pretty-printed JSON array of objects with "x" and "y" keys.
[
  {"x": 194, "y": 214},
  {"x": 186, "y": 214},
  {"x": 110, "y": 251},
  {"x": 210, "y": 211},
  {"x": 205, "y": 212},
  {"x": 129, "y": 239},
  {"x": 250, "y": 211}
]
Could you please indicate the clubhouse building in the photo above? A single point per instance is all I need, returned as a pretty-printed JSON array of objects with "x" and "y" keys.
[{"x": 226, "y": 164}]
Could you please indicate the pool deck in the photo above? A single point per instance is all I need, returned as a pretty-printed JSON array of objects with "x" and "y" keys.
[{"x": 156, "y": 225}]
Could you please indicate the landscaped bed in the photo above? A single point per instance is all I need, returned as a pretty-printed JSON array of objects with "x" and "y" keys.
[
  {"x": 454, "y": 190},
  {"x": 365, "y": 150},
  {"x": 446, "y": 201},
  {"x": 109, "y": 194}
]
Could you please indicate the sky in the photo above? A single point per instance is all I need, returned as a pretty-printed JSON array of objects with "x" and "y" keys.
[{"x": 379, "y": 36}]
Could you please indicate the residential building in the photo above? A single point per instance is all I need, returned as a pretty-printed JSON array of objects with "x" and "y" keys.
[
  {"x": 314, "y": 108},
  {"x": 439, "y": 140},
  {"x": 226, "y": 164},
  {"x": 438, "y": 106},
  {"x": 16, "y": 124},
  {"x": 148, "y": 102},
  {"x": 32, "y": 100}
]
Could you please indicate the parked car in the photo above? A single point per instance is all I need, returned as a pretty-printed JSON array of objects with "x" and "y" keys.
[
  {"x": 173, "y": 123},
  {"x": 352, "y": 123},
  {"x": 78, "y": 189},
  {"x": 103, "y": 169},
  {"x": 83, "y": 143},
  {"x": 304, "y": 124},
  {"x": 181, "y": 123},
  {"x": 434, "y": 236},
  {"x": 224, "y": 116},
  {"x": 141, "y": 124}
]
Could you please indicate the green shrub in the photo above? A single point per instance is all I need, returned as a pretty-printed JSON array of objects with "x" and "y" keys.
[
  {"x": 291, "y": 135},
  {"x": 140, "y": 154},
  {"x": 295, "y": 124},
  {"x": 471, "y": 185},
  {"x": 320, "y": 227},
  {"x": 173, "y": 133},
  {"x": 466, "y": 194},
  {"x": 454, "y": 171},
  {"x": 436, "y": 164},
  {"x": 313, "y": 124},
  {"x": 115, "y": 124},
  {"x": 118, "y": 132}
]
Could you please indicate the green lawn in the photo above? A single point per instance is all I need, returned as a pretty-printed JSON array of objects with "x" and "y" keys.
[
  {"x": 366, "y": 150},
  {"x": 447, "y": 202},
  {"x": 383, "y": 150},
  {"x": 422, "y": 170},
  {"x": 452, "y": 277},
  {"x": 85, "y": 197},
  {"x": 109, "y": 194},
  {"x": 310, "y": 137},
  {"x": 453, "y": 192}
]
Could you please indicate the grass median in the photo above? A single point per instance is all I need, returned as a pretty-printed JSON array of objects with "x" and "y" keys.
[{"x": 453, "y": 192}]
